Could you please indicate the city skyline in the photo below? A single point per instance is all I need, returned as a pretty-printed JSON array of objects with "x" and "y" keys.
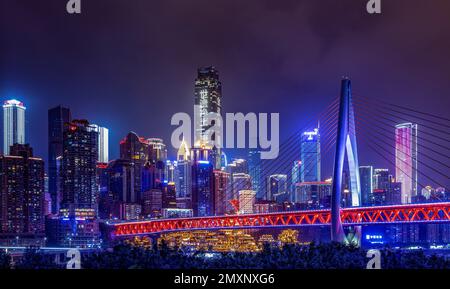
[{"x": 207, "y": 128}]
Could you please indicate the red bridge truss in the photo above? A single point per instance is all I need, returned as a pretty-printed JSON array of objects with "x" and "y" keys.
[{"x": 416, "y": 213}]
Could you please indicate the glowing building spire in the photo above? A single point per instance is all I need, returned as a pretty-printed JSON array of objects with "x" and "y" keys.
[{"x": 183, "y": 151}]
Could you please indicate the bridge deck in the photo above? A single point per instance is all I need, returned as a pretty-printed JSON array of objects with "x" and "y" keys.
[{"x": 415, "y": 213}]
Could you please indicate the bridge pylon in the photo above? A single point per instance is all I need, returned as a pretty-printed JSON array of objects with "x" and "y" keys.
[{"x": 345, "y": 146}]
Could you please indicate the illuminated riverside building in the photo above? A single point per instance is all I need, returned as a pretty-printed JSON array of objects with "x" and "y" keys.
[
  {"x": 222, "y": 240},
  {"x": 57, "y": 118},
  {"x": 22, "y": 197},
  {"x": 246, "y": 201},
  {"x": 406, "y": 159},
  {"x": 218, "y": 241},
  {"x": 310, "y": 156},
  {"x": 208, "y": 99},
  {"x": 203, "y": 202},
  {"x": 13, "y": 124}
]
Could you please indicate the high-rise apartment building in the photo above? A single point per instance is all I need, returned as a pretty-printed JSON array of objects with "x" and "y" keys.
[{"x": 22, "y": 196}]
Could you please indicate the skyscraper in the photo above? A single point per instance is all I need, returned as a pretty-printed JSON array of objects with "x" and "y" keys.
[
  {"x": 13, "y": 124},
  {"x": 381, "y": 179},
  {"x": 169, "y": 197},
  {"x": 277, "y": 187},
  {"x": 313, "y": 195},
  {"x": 208, "y": 99},
  {"x": 366, "y": 179},
  {"x": 22, "y": 193},
  {"x": 221, "y": 196},
  {"x": 157, "y": 150},
  {"x": 121, "y": 186},
  {"x": 203, "y": 201},
  {"x": 135, "y": 149},
  {"x": 103, "y": 143},
  {"x": 57, "y": 117},
  {"x": 254, "y": 170},
  {"x": 241, "y": 182},
  {"x": 79, "y": 168},
  {"x": 406, "y": 159},
  {"x": 295, "y": 176},
  {"x": 310, "y": 156},
  {"x": 184, "y": 179}
]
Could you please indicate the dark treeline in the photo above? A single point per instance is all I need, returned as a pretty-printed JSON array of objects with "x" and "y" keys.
[{"x": 313, "y": 256}]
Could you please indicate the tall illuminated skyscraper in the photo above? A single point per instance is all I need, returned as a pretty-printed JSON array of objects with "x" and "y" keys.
[
  {"x": 79, "y": 168},
  {"x": 310, "y": 156},
  {"x": 13, "y": 124},
  {"x": 184, "y": 178},
  {"x": 366, "y": 178},
  {"x": 57, "y": 117},
  {"x": 254, "y": 170},
  {"x": 208, "y": 99},
  {"x": 103, "y": 143},
  {"x": 203, "y": 202},
  {"x": 406, "y": 160}
]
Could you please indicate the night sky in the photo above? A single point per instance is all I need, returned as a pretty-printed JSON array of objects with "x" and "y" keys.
[{"x": 130, "y": 65}]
